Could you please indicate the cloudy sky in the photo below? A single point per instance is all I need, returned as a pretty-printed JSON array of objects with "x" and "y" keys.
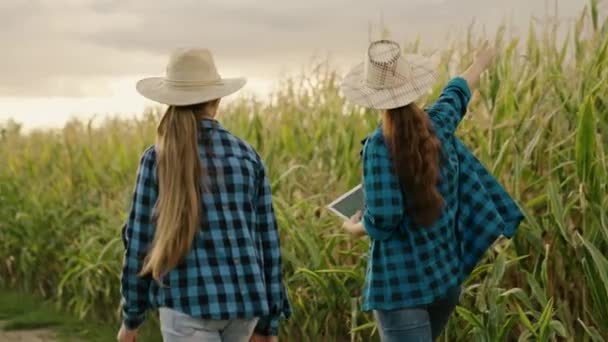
[{"x": 65, "y": 57}]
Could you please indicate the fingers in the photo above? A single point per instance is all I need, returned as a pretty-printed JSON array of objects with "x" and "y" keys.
[
  {"x": 126, "y": 336},
  {"x": 486, "y": 51},
  {"x": 485, "y": 55}
]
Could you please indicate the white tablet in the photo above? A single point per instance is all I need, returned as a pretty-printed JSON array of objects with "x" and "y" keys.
[{"x": 348, "y": 204}]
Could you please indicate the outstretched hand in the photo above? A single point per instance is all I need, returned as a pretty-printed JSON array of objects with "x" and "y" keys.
[
  {"x": 483, "y": 59},
  {"x": 485, "y": 55}
]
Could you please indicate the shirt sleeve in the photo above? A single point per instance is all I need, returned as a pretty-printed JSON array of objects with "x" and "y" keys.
[
  {"x": 452, "y": 104},
  {"x": 137, "y": 235},
  {"x": 268, "y": 232},
  {"x": 384, "y": 209}
]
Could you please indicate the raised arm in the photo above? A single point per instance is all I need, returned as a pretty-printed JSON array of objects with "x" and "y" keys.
[
  {"x": 482, "y": 61},
  {"x": 451, "y": 106}
]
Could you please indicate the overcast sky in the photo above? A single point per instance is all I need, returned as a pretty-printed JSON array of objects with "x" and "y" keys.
[{"x": 65, "y": 56}]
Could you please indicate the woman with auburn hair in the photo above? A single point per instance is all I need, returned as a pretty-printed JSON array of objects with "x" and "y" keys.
[
  {"x": 201, "y": 241},
  {"x": 431, "y": 208}
]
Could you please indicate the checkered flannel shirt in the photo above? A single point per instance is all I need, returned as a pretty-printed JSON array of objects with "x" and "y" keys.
[
  {"x": 234, "y": 267},
  {"x": 411, "y": 266}
]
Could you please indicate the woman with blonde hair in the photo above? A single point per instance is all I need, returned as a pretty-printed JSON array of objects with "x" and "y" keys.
[
  {"x": 431, "y": 208},
  {"x": 201, "y": 241}
]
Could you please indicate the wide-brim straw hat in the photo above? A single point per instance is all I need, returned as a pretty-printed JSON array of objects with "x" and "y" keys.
[
  {"x": 191, "y": 78},
  {"x": 387, "y": 78}
]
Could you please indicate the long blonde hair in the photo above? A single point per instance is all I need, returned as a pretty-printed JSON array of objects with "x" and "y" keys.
[{"x": 179, "y": 170}]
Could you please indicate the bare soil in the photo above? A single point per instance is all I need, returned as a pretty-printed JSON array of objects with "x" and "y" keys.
[{"x": 38, "y": 335}]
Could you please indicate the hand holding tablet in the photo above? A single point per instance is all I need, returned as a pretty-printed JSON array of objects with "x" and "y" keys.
[{"x": 348, "y": 204}]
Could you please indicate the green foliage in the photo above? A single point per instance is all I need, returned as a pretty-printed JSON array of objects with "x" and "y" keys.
[
  {"x": 21, "y": 311},
  {"x": 538, "y": 121}
]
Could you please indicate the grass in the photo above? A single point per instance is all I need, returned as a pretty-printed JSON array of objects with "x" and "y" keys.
[
  {"x": 538, "y": 123},
  {"x": 22, "y": 311}
]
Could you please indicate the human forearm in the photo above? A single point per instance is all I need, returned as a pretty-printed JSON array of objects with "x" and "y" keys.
[
  {"x": 473, "y": 74},
  {"x": 482, "y": 61}
]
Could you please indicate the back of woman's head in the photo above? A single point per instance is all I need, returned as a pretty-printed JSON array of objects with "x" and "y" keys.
[
  {"x": 416, "y": 155},
  {"x": 178, "y": 207}
]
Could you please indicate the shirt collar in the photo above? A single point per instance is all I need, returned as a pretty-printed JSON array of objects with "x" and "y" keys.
[{"x": 209, "y": 123}]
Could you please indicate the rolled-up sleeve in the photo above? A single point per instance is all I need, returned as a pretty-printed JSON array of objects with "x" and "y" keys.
[
  {"x": 452, "y": 104},
  {"x": 383, "y": 198},
  {"x": 137, "y": 235}
]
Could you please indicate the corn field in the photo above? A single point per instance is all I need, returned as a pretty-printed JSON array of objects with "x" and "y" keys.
[{"x": 539, "y": 122}]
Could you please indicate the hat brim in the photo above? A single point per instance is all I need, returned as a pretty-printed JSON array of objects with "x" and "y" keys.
[
  {"x": 156, "y": 89},
  {"x": 423, "y": 78}
]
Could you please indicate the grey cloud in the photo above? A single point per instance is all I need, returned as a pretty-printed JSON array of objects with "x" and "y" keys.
[{"x": 61, "y": 47}]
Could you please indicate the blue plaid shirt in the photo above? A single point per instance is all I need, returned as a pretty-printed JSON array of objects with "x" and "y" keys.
[
  {"x": 234, "y": 267},
  {"x": 412, "y": 266}
]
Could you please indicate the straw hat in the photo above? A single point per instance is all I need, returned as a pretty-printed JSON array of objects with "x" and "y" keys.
[
  {"x": 388, "y": 79},
  {"x": 191, "y": 78}
]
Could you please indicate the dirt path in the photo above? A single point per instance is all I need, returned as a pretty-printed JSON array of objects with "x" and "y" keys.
[{"x": 41, "y": 335}]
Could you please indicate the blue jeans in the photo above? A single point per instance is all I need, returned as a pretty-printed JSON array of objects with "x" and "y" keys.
[
  {"x": 179, "y": 327},
  {"x": 423, "y": 324}
]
